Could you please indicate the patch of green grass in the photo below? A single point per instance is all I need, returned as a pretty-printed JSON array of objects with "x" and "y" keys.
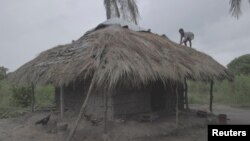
[
  {"x": 44, "y": 96},
  {"x": 236, "y": 93},
  {"x": 197, "y": 98}
]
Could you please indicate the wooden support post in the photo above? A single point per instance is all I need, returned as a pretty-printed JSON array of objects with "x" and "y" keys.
[
  {"x": 72, "y": 132},
  {"x": 61, "y": 101},
  {"x": 186, "y": 93},
  {"x": 33, "y": 98},
  {"x": 177, "y": 106},
  {"x": 211, "y": 96}
]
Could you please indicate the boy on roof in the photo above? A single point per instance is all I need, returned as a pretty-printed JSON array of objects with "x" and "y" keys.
[{"x": 186, "y": 36}]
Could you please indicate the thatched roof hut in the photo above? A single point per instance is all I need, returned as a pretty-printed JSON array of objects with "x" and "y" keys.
[
  {"x": 138, "y": 69},
  {"x": 119, "y": 56}
]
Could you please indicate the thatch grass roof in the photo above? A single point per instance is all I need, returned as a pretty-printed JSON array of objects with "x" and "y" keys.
[{"x": 119, "y": 55}]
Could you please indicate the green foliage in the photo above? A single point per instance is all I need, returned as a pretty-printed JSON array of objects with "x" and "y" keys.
[
  {"x": 7, "y": 108},
  {"x": 231, "y": 93},
  {"x": 3, "y": 72},
  {"x": 240, "y": 65},
  {"x": 5, "y": 93},
  {"x": 12, "y": 101},
  {"x": 22, "y": 96},
  {"x": 45, "y": 96}
]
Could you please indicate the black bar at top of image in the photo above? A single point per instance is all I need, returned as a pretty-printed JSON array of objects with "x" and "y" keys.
[{"x": 236, "y": 132}]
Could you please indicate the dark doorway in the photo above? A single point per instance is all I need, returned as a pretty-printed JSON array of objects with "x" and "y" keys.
[{"x": 158, "y": 97}]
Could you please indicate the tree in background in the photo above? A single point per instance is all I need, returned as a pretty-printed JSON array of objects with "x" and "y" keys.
[
  {"x": 240, "y": 65},
  {"x": 3, "y": 72},
  {"x": 235, "y": 8},
  {"x": 125, "y": 9}
]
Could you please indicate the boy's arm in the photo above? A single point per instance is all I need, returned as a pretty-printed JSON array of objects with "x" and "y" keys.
[{"x": 181, "y": 40}]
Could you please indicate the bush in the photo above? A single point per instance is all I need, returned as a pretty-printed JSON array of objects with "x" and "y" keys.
[{"x": 22, "y": 96}]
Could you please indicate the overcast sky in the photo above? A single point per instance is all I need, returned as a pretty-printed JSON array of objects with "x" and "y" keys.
[{"x": 28, "y": 27}]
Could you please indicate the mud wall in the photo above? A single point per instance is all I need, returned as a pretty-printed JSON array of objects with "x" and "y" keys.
[
  {"x": 74, "y": 96},
  {"x": 127, "y": 102},
  {"x": 155, "y": 98}
]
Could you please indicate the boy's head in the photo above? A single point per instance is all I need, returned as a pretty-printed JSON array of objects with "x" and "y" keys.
[{"x": 181, "y": 31}]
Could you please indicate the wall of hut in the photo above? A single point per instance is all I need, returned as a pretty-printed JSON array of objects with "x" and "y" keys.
[
  {"x": 130, "y": 101},
  {"x": 74, "y": 96},
  {"x": 123, "y": 102},
  {"x": 154, "y": 98}
]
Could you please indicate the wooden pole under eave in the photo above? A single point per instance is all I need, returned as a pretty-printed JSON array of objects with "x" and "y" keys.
[
  {"x": 177, "y": 106},
  {"x": 211, "y": 96},
  {"x": 186, "y": 93},
  {"x": 62, "y": 101}
]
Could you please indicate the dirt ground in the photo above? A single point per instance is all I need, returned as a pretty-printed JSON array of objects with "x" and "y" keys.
[{"x": 191, "y": 128}]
